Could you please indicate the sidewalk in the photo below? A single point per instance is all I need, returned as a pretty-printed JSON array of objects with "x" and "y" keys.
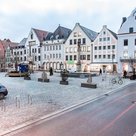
[{"x": 29, "y": 100}]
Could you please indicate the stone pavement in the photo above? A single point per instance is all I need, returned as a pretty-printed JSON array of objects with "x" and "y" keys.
[{"x": 29, "y": 100}]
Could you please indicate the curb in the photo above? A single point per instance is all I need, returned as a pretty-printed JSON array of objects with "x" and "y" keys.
[{"x": 61, "y": 112}]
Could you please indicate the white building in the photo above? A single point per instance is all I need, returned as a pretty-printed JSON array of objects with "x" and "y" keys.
[
  {"x": 105, "y": 51},
  {"x": 20, "y": 53},
  {"x": 33, "y": 45},
  {"x": 53, "y": 48},
  {"x": 85, "y": 38},
  {"x": 127, "y": 43}
]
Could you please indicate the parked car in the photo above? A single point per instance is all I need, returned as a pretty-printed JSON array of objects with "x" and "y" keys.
[{"x": 3, "y": 91}]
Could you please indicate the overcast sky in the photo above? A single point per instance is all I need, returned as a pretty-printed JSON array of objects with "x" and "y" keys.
[{"x": 17, "y": 17}]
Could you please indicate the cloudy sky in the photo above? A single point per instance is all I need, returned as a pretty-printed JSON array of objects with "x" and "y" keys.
[{"x": 17, "y": 17}]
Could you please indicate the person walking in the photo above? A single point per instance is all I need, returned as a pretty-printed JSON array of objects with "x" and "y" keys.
[
  {"x": 51, "y": 71},
  {"x": 100, "y": 72}
]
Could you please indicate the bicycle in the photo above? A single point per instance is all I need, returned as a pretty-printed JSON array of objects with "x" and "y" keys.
[{"x": 116, "y": 80}]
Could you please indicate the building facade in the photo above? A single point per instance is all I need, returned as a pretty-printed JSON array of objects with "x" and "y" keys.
[
  {"x": 127, "y": 43},
  {"x": 33, "y": 47},
  {"x": 53, "y": 48},
  {"x": 79, "y": 36},
  {"x": 105, "y": 51}
]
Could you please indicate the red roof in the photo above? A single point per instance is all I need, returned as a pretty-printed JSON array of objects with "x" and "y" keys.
[
  {"x": 41, "y": 34},
  {"x": 4, "y": 44}
]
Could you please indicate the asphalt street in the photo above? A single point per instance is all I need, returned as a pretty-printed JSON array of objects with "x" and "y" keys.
[{"x": 112, "y": 115}]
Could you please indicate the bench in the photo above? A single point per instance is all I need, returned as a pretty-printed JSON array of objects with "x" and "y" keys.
[{"x": 87, "y": 85}]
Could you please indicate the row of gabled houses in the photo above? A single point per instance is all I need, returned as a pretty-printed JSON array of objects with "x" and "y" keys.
[{"x": 59, "y": 49}]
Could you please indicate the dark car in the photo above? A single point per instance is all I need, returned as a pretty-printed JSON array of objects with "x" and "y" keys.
[{"x": 3, "y": 91}]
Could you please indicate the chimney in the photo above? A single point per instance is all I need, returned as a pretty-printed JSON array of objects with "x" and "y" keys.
[{"x": 124, "y": 20}]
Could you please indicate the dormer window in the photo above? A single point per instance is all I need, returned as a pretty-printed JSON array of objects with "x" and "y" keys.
[
  {"x": 131, "y": 30},
  {"x": 31, "y": 35},
  {"x": 57, "y": 36},
  {"x": 51, "y": 38}
]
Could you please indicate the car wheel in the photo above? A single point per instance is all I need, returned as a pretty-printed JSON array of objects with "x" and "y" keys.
[{"x": 1, "y": 96}]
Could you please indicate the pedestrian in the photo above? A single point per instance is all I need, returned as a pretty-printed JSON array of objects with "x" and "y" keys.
[
  {"x": 100, "y": 72},
  {"x": 125, "y": 74},
  {"x": 51, "y": 71}
]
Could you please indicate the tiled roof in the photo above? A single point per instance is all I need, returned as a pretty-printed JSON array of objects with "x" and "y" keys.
[
  {"x": 1, "y": 50},
  {"x": 41, "y": 34},
  {"x": 113, "y": 33},
  {"x": 23, "y": 41},
  {"x": 59, "y": 33},
  {"x": 91, "y": 34}
]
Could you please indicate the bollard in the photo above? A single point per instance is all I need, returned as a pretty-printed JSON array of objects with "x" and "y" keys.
[
  {"x": 17, "y": 102},
  {"x": 3, "y": 107},
  {"x": 29, "y": 99}
]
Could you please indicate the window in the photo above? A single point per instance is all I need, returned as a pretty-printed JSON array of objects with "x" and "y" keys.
[
  {"x": 50, "y": 55},
  {"x": 75, "y": 41},
  {"x": 95, "y": 56},
  {"x": 135, "y": 41},
  {"x": 20, "y": 52},
  {"x": 100, "y": 39},
  {"x": 53, "y": 55},
  {"x": 31, "y": 35},
  {"x": 39, "y": 58},
  {"x": 35, "y": 58},
  {"x": 71, "y": 49},
  {"x": 75, "y": 49},
  {"x": 95, "y": 47},
  {"x": 84, "y": 41},
  {"x": 50, "y": 47},
  {"x": 75, "y": 57},
  {"x": 59, "y": 47},
  {"x": 131, "y": 30},
  {"x": 125, "y": 42},
  {"x": 75, "y": 34},
  {"x": 108, "y": 56},
  {"x": 84, "y": 57},
  {"x": 56, "y": 56},
  {"x": 99, "y": 56},
  {"x": 108, "y": 47},
  {"x": 100, "y": 47},
  {"x": 35, "y": 50},
  {"x": 125, "y": 54},
  {"x": 56, "y": 47},
  {"x": 24, "y": 51},
  {"x": 104, "y": 56},
  {"x": 113, "y": 46},
  {"x": 39, "y": 50},
  {"x": 45, "y": 56},
  {"x": 70, "y": 42},
  {"x": 108, "y": 38},
  {"x": 134, "y": 54},
  {"x": 104, "y": 39},
  {"x": 60, "y": 56},
  {"x": 104, "y": 32},
  {"x": 104, "y": 47},
  {"x": 25, "y": 58},
  {"x": 88, "y": 48},
  {"x": 70, "y": 57},
  {"x": 113, "y": 56},
  {"x": 66, "y": 49},
  {"x": 79, "y": 41},
  {"x": 66, "y": 57},
  {"x": 32, "y": 50},
  {"x": 88, "y": 57}
]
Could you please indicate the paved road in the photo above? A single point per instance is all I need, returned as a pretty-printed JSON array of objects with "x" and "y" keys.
[{"x": 113, "y": 115}]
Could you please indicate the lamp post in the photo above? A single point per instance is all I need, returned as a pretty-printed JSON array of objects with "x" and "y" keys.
[{"x": 78, "y": 57}]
